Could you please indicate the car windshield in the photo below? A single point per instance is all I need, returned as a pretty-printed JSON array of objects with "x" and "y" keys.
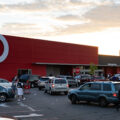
[
  {"x": 44, "y": 79},
  {"x": 117, "y": 86},
  {"x": 60, "y": 81}
]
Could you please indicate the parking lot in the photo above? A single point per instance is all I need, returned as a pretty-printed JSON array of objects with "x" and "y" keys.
[{"x": 42, "y": 106}]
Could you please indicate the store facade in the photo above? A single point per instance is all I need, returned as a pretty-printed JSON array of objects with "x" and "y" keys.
[{"x": 42, "y": 57}]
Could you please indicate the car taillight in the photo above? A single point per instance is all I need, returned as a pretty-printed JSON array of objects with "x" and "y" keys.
[
  {"x": 67, "y": 85},
  {"x": 114, "y": 94},
  {"x": 53, "y": 85}
]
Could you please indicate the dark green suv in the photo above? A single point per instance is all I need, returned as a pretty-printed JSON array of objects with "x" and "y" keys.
[{"x": 101, "y": 92}]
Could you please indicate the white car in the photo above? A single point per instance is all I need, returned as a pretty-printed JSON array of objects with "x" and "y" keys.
[
  {"x": 57, "y": 85},
  {"x": 41, "y": 82},
  {"x": 5, "y": 83}
]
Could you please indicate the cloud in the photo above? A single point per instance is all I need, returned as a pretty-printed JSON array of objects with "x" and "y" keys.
[
  {"x": 100, "y": 18},
  {"x": 104, "y": 14},
  {"x": 25, "y": 6},
  {"x": 54, "y": 5},
  {"x": 69, "y": 17},
  {"x": 63, "y": 18},
  {"x": 24, "y": 30}
]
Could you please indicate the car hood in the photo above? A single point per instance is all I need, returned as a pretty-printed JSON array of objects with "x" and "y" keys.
[
  {"x": 73, "y": 90},
  {"x": 6, "y": 84}
]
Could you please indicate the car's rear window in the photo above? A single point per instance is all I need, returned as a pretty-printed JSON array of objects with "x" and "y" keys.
[
  {"x": 60, "y": 81},
  {"x": 117, "y": 86}
]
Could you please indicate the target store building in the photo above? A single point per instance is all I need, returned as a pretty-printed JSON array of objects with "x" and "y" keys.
[{"x": 42, "y": 57}]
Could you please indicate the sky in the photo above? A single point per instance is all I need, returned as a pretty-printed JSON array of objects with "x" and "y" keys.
[{"x": 86, "y": 22}]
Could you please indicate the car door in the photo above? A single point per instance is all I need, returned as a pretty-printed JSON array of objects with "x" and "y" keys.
[
  {"x": 94, "y": 91},
  {"x": 83, "y": 92}
]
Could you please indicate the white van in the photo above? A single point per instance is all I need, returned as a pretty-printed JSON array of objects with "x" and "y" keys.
[{"x": 57, "y": 85}]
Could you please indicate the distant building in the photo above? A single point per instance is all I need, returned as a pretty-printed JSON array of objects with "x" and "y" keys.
[{"x": 109, "y": 64}]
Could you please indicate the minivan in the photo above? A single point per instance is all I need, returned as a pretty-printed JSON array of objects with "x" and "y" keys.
[{"x": 57, "y": 85}]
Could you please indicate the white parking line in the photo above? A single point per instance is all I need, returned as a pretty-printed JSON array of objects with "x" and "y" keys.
[
  {"x": 30, "y": 115},
  {"x": 23, "y": 105},
  {"x": 33, "y": 110}
]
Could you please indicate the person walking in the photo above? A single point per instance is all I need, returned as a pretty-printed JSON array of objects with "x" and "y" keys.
[
  {"x": 20, "y": 93},
  {"x": 14, "y": 82}
]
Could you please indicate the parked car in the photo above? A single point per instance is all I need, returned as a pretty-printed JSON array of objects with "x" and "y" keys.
[
  {"x": 41, "y": 82},
  {"x": 5, "y": 83},
  {"x": 101, "y": 92},
  {"x": 77, "y": 79},
  {"x": 115, "y": 77},
  {"x": 85, "y": 78},
  {"x": 57, "y": 85},
  {"x": 98, "y": 78},
  {"x": 33, "y": 79},
  {"x": 70, "y": 79},
  {"x": 6, "y": 93}
]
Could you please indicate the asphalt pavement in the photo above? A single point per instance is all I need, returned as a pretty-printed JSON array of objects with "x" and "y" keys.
[{"x": 42, "y": 106}]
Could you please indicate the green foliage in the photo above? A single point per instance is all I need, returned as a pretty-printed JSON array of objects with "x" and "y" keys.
[{"x": 93, "y": 67}]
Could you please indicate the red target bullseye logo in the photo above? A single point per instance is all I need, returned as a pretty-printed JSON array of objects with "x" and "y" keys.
[{"x": 4, "y": 48}]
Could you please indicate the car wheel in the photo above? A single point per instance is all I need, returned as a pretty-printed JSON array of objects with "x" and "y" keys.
[
  {"x": 103, "y": 102},
  {"x": 39, "y": 88},
  {"x": 45, "y": 91},
  {"x": 73, "y": 99},
  {"x": 88, "y": 102},
  {"x": 3, "y": 97},
  {"x": 66, "y": 93}
]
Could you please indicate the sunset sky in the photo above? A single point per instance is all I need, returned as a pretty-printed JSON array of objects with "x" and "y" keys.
[{"x": 88, "y": 22}]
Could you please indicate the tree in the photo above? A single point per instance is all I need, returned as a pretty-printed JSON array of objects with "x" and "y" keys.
[{"x": 93, "y": 67}]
